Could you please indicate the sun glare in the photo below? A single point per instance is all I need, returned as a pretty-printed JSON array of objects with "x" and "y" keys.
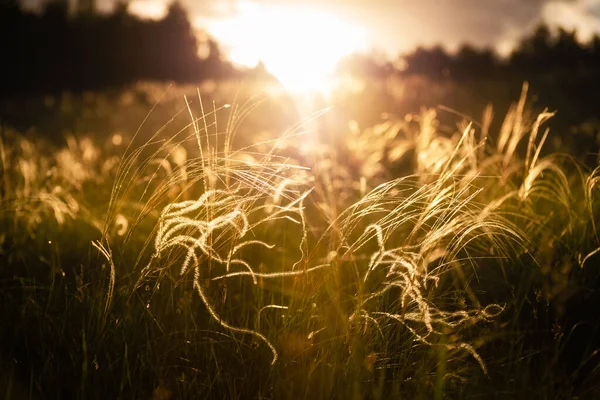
[
  {"x": 299, "y": 46},
  {"x": 151, "y": 9}
]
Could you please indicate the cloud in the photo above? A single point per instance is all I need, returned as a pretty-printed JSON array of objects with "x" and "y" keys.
[
  {"x": 400, "y": 25},
  {"x": 397, "y": 25},
  {"x": 582, "y": 16}
]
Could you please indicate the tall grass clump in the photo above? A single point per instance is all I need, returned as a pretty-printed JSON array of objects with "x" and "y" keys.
[
  {"x": 214, "y": 214},
  {"x": 432, "y": 219},
  {"x": 405, "y": 259}
]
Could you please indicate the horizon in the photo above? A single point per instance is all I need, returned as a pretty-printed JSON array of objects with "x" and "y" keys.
[{"x": 388, "y": 28}]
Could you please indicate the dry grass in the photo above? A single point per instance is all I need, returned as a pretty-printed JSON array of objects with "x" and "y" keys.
[{"x": 337, "y": 249}]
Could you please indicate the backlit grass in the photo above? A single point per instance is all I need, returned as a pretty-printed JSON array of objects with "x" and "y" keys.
[{"x": 398, "y": 261}]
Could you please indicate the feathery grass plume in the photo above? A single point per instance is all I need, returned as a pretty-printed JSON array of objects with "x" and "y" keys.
[
  {"x": 591, "y": 183},
  {"x": 213, "y": 212},
  {"x": 440, "y": 219},
  {"x": 44, "y": 183},
  {"x": 107, "y": 253},
  {"x": 440, "y": 224},
  {"x": 240, "y": 194},
  {"x": 193, "y": 226},
  {"x": 542, "y": 194},
  {"x": 514, "y": 127}
]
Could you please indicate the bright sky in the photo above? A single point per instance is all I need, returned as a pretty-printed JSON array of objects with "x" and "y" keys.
[
  {"x": 286, "y": 33},
  {"x": 397, "y": 25}
]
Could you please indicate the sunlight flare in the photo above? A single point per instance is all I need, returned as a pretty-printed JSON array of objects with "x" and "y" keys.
[
  {"x": 300, "y": 46},
  {"x": 151, "y": 9}
]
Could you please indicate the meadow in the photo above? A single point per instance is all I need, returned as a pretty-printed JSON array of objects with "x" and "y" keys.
[{"x": 224, "y": 243}]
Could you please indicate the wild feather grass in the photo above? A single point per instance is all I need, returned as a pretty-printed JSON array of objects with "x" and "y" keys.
[
  {"x": 437, "y": 221},
  {"x": 360, "y": 258},
  {"x": 439, "y": 215}
]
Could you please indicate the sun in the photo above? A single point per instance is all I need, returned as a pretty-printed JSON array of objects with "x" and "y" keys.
[
  {"x": 151, "y": 9},
  {"x": 298, "y": 45}
]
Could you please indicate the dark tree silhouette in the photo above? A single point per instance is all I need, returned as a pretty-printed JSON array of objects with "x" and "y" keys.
[
  {"x": 475, "y": 64},
  {"x": 434, "y": 62},
  {"x": 176, "y": 46},
  {"x": 58, "y": 50}
]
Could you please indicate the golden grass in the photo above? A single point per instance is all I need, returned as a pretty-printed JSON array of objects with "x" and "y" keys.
[{"x": 192, "y": 203}]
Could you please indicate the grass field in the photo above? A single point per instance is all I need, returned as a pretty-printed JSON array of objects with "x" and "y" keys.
[{"x": 210, "y": 257}]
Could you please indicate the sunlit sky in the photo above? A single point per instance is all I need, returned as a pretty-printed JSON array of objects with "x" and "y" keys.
[
  {"x": 280, "y": 33},
  {"x": 396, "y": 25}
]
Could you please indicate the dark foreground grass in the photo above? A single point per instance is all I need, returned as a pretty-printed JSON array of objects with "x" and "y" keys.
[{"x": 398, "y": 261}]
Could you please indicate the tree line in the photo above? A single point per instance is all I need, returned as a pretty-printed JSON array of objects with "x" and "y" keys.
[
  {"x": 56, "y": 50},
  {"x": 563, "y": 74},
  {"x": 543, "y": 52}
]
